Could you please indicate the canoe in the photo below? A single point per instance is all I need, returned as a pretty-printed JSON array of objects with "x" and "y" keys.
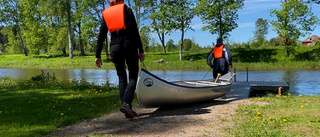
[{"x": 153, "y": 91}]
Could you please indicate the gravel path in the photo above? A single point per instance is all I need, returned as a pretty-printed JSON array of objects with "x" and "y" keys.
[{"x": 203, "y": 119}]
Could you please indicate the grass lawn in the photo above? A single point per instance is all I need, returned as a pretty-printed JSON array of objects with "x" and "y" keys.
[
  {"x": 256, "y": 59},
  {"x": 286, "y": 116},
  {"x": 36, "y": 108}
]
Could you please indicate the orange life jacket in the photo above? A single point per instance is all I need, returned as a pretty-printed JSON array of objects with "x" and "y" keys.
[
  {"x": 218, "y": 51},
  {"x": 114, "y": 17}
]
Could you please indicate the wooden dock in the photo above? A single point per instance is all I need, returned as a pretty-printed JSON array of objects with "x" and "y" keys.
[{"x": 246, "y": 89}]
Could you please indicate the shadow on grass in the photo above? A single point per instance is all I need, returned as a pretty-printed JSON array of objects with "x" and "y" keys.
[
  {"x": 58, "y": 56},
  {"x": 254, "y": 55},
  {"x": 50, "y": 56}
]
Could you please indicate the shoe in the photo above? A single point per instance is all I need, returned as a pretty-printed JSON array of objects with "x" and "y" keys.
[
  {"x": 126, "y": 110},
  {"x": 134, "y": 113}
]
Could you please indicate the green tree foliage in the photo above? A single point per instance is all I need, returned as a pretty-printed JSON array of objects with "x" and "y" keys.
[
  {"x": 183, "y": 14},
  {"x": 67, "y": 6},
  {"x": 189, "y": 45},
  {"x": 139, "y": 6},
  {"x": 295, "y": 19},
  {"x": 92, "y": 22},
  {"x": 274, "y": 42},
  {"x": 3, "y": 41},
  {"x": 219, "y": 15},
  {"x": 34, "y": 30},
  {"x": 261, "y": 31},
  {"x": 171, "y": 46},
  {"x": 14, "y": 44},
  {"x": 145, "y": 36},
  {"x": 161, "y": 19},
  {"x": 11, "y": 16},
  {"x": 314, "y": 1}
]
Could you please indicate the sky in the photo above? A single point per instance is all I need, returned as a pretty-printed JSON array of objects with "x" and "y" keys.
[{"x": 252, "y": 10}]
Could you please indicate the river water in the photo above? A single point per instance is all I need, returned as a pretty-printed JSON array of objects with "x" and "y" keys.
[{"x": 305, "y": 82}]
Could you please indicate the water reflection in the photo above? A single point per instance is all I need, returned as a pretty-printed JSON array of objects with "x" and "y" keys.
[{"x": 300, "y": 81}]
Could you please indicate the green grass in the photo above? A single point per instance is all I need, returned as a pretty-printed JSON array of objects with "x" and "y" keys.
[
  {"x": 40, "y": 106},
  {"x": 286, "y": 116},
  {"x": 47, "y": 61},
  {"x": 255, "y": 59}
]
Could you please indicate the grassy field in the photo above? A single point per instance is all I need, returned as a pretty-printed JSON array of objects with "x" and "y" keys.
[
  {"x": 285, "y": 116},
  {"x": 40, "y": 105},
  {"x": 255, "y": 59}
]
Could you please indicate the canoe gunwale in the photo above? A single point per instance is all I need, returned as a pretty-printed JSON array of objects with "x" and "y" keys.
[{"x": 182, "y": 86}]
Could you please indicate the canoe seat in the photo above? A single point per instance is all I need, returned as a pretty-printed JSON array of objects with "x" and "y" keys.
[{"x": 203, "y": 83}]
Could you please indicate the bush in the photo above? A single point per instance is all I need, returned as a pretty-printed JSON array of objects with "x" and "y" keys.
[{"x": 6, "y": 81}]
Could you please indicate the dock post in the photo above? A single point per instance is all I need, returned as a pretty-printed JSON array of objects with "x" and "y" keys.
[
  {"x": 279, "y": 91},
  {"x": 234, "y": 71},
  {"x": 247, "y": 74}
]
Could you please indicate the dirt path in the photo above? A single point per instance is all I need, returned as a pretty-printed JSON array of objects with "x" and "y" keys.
[{"x": 205, "y": 119}]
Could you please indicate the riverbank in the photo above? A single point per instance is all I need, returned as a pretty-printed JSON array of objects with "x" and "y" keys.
[
  {"x": 255, "y": 59},
  {"x": 43, "y": 105}
]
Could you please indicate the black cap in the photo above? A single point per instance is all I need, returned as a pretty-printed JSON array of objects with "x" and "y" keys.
[{"x": 219, "y": 41}]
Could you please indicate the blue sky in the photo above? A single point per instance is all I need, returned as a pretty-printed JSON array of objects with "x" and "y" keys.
[{"x": 252, "y": 10}]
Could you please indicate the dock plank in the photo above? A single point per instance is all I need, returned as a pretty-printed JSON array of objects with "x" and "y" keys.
[{"x": 242, "y": 89}]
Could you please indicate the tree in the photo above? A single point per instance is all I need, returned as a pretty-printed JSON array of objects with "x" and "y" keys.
[
  {"x": 315, "y": 1},
  {"x": 274, "y": 42},
  {"x": 261, "y": 30},
  {"x": 67, "y": 6},
  {"x": 145, "y": 36},
  {"x": 295, "y": 19},
  {"x": 33, "y": 29},
  {"x": 11, "y": 16},
  {"x": 187, "y": 44},
  {"x": 56, "y": 24},
  {"x": 3, "y": 41},
  {"x": 183, "y": 14},
  {"x": 219, "y": 15},
  {"x": 93, "y": 22},
  {"x": 170, "y": 45},
  {"x": 139, "y": 10},
  {"x": 194, "y": 46},
  {"x": 160, "y": 19},
  {"x": 79, "y": 16}
]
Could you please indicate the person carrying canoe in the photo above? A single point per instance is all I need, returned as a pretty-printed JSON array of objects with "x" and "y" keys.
[
  {"x": 119, "y": 20},
  {"x": 222, "y": 59}
]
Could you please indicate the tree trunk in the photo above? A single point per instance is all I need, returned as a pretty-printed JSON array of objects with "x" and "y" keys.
[
  {"x": 163, "y": 44},
  {"x": 182, "y": 37},
  {"x": 107, "y": 48},
  {"x": 23, "y": 46},
  {"x": 64, "y": 52},
  {"x": 181, "y": 46},
  {"x": 81, "y": 40},
  {"x": 69, "y": 30}
]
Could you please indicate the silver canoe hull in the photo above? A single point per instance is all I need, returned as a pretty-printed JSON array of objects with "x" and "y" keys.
[{"x": 153, "y": 91}]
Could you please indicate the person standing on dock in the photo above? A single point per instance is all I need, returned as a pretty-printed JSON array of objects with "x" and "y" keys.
[
  {"x": 222, "y": 59},
  {"x": 119, "y": 20}
]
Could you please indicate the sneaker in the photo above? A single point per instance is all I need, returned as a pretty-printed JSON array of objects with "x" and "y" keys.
[{"x": 126, "y": 110}]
